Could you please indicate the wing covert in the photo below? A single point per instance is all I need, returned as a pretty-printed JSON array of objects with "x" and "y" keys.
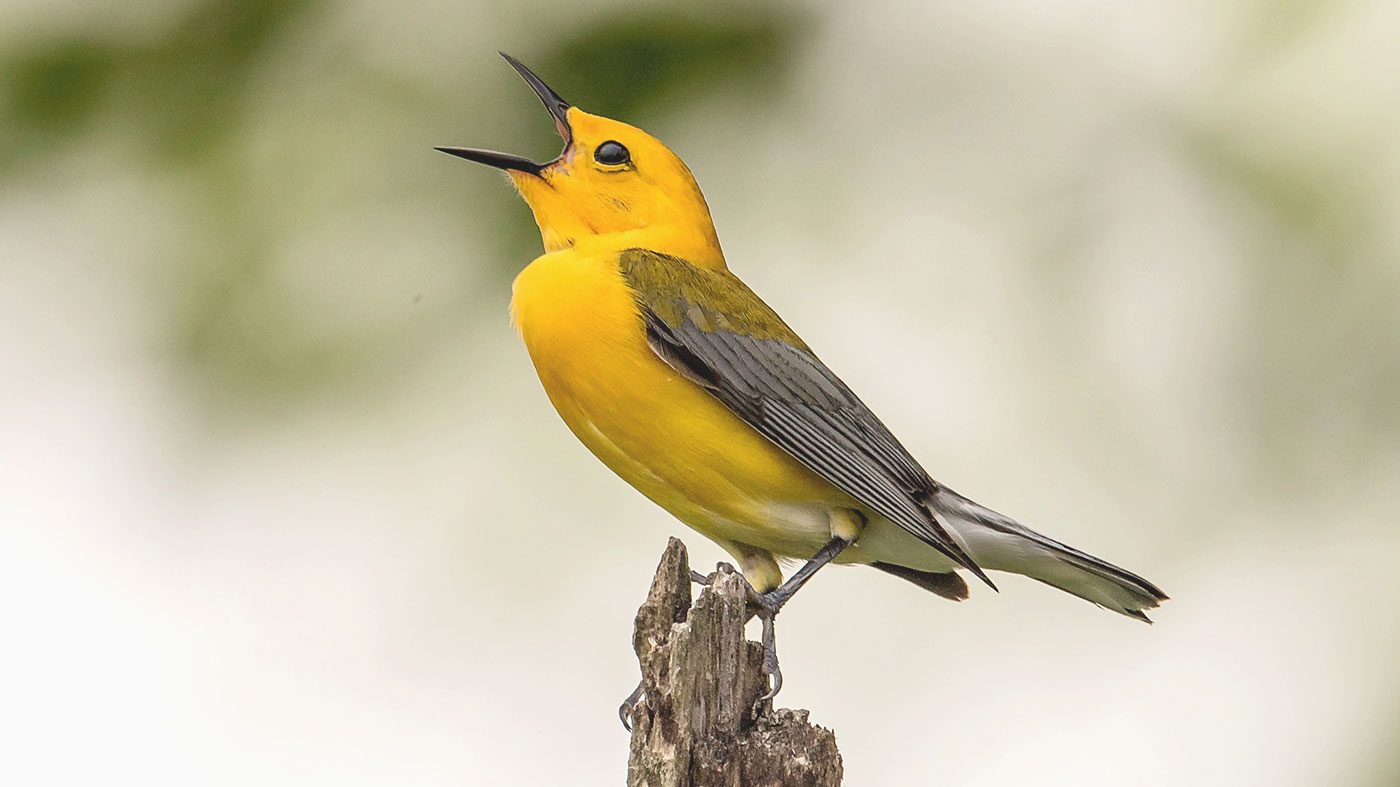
[{"x": 709, "y": 327}]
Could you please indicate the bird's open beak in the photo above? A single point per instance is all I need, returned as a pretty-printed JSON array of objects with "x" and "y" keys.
[{"x": 558, "y": 109}]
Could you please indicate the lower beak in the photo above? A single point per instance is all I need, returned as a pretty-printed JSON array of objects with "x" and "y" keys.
[
  {"x": 558, "y": 109},
  {"x": 493, "y": 159}
]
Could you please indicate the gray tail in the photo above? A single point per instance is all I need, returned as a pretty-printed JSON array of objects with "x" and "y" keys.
[{"x": 1001, "y": 543}]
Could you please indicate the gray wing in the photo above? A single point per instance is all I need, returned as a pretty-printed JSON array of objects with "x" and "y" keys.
[{"x": 791, "y": 398}]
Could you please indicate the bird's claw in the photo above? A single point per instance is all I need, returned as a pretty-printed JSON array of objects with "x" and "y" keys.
[
  {"x": 766, "y": 609},
  {"x": 705, "y": 580},
  {"x": 625, "y": 710},
  {"x": 769, "y": 667}
]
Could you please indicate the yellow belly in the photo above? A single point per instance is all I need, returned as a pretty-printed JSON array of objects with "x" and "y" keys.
[{"x": 661, "y": 433}]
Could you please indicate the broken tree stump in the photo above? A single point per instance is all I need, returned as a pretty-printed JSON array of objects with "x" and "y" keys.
[{"x": 696, "y": 724}]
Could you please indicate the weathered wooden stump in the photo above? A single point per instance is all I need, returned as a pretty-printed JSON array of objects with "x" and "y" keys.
[{"x": 696, "y": 725}]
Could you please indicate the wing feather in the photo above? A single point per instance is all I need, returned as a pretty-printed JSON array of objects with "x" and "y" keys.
[{"x": 774, "y": 383}]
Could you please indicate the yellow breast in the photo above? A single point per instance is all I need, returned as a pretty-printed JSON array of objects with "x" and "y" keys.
[{"x": 661, "y": 433}]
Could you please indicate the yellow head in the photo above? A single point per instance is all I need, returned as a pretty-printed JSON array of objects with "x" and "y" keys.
[{"x": 613, "y": 184}]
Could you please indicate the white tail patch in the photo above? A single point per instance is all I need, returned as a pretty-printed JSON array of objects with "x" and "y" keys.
[{"x": 999, "y": 543}]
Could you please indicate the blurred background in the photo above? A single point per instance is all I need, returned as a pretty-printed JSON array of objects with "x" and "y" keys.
[{"x": 282, "y": 502}]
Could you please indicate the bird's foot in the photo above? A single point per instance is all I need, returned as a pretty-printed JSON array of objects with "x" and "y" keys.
[
  {"x": 704, "y": 580},
  {"x": 766, "y": 607},
  {"x": 624, "y": 711}
]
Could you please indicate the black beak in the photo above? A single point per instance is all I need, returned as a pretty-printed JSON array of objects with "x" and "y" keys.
[
  {"x": 493, "y": 159},
  {"x": 558, "y": 109}
]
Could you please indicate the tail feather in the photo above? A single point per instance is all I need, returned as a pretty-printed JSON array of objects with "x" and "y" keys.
[
  {"x": 946, "y": 584},
  {"x": 1001, "y": 543}
]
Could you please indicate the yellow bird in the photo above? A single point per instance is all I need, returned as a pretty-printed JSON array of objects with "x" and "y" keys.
[{"x": 688, "y": 386}]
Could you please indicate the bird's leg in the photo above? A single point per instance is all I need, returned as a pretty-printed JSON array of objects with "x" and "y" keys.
[
  {"x": 767, "y": 605},
  {"x": 629, "y": 706},
  {"x": 624, "y": 711}
]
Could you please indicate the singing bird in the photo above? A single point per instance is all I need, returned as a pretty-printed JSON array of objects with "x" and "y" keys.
[{"x": 688, "y": 386}]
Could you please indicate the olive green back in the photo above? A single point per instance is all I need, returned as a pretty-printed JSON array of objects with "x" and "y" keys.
[{"x": 714, "y": 300}]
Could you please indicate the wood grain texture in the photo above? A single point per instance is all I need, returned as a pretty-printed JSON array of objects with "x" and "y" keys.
[{"x": 695, "y": 725}]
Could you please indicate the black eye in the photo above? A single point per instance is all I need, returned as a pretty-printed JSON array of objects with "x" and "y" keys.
[{"x": 611, "y": 153}]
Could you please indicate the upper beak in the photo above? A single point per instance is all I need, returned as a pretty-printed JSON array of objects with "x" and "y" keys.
[{"x": 558, "y": 109}]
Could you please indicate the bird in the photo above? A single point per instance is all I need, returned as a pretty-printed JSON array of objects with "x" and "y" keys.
[{"x": 683, "y": 382}]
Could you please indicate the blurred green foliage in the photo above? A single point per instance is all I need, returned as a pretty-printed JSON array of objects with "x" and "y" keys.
[
  {"x": 650, "y": 62},
  {"x": 53, "y": 91},
  {"x": 183, "y": 89},
  {"x": 188, "y": 96}
]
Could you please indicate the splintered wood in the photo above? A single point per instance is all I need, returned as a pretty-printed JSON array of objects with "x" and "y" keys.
[{"x": 695, "y": 725}]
